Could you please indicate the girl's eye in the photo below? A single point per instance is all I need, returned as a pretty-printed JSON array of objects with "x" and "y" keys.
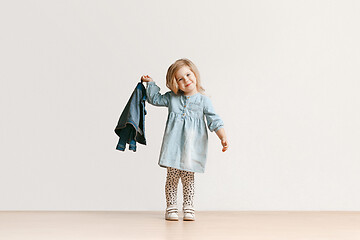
[{"x": 181, "y": 78}]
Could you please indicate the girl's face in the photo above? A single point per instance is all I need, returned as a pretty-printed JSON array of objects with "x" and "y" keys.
[{"x": 186, "y": 80}]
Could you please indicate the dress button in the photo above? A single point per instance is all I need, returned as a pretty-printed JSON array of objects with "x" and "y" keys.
[{"x": 185, "y": 106}]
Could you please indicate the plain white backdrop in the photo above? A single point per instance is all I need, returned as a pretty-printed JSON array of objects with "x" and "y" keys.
[{"x": 283, "y": 75}]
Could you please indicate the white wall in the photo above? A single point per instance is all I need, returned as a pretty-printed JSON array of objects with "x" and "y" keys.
[{"x": 283, "y": 75}]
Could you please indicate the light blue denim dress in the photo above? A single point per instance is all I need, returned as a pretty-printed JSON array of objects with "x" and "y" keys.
[{"x": 185, "y": 141}]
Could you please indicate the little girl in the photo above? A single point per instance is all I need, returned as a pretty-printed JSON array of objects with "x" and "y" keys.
[{"x": 184, "y": 147}]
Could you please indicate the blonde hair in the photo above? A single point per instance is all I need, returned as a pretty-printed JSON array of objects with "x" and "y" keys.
[{"x": 171, "y": 82}]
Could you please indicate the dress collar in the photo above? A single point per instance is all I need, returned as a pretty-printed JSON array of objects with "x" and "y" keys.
[{"x": 190, "y": 95}]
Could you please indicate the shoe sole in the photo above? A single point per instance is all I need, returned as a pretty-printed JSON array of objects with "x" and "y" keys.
[
  {"x": 189, "y": 219},
  {"x": 172, "y": 219}
]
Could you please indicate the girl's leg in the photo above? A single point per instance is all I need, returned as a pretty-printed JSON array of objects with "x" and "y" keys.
[
  {"x": 188, "y": 182},
  {"x": 172, "y": 181}
]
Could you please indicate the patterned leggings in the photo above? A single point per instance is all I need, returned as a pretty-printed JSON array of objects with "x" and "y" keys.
[{"x": 172, "y": 180}]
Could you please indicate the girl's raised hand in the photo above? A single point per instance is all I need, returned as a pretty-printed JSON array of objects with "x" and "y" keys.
[
  {"x": 224, "y": 143},
  {"x": 146, "y": 78}
]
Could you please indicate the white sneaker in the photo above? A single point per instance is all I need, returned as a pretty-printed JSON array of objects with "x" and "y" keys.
[
  {"x": 171, "y": 213},
  {"x": 189, "y": 213}
]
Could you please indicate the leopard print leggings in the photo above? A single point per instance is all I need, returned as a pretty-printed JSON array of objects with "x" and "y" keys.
[{"x": 172, "y": 180}]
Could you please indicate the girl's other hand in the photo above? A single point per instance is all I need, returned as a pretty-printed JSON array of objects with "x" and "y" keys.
[
  {"x": 146, "y": 78},
  {"x": 225, "y": 145}
]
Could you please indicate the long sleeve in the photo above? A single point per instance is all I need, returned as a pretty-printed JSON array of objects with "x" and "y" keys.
[
  {"x": 154, "y": 97},
  {"x": 213, "y": 120}
]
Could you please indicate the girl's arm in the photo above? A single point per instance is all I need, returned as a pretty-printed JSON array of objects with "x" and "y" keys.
[
  {"x": 221, "y": 134},
  {"x": 153, "y": 93},
  {"x": 215, "y": 123}
]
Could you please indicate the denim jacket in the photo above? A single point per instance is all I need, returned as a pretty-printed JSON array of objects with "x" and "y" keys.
[{"x": 131, "y": 125}]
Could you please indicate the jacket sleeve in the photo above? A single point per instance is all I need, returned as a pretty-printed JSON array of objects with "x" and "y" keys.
[
  {"x": 154, "y": 97},
  {"x": 213, "y": 120}
]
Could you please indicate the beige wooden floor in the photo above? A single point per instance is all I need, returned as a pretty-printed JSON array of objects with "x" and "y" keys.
[{"x": 208, "y": 225}]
